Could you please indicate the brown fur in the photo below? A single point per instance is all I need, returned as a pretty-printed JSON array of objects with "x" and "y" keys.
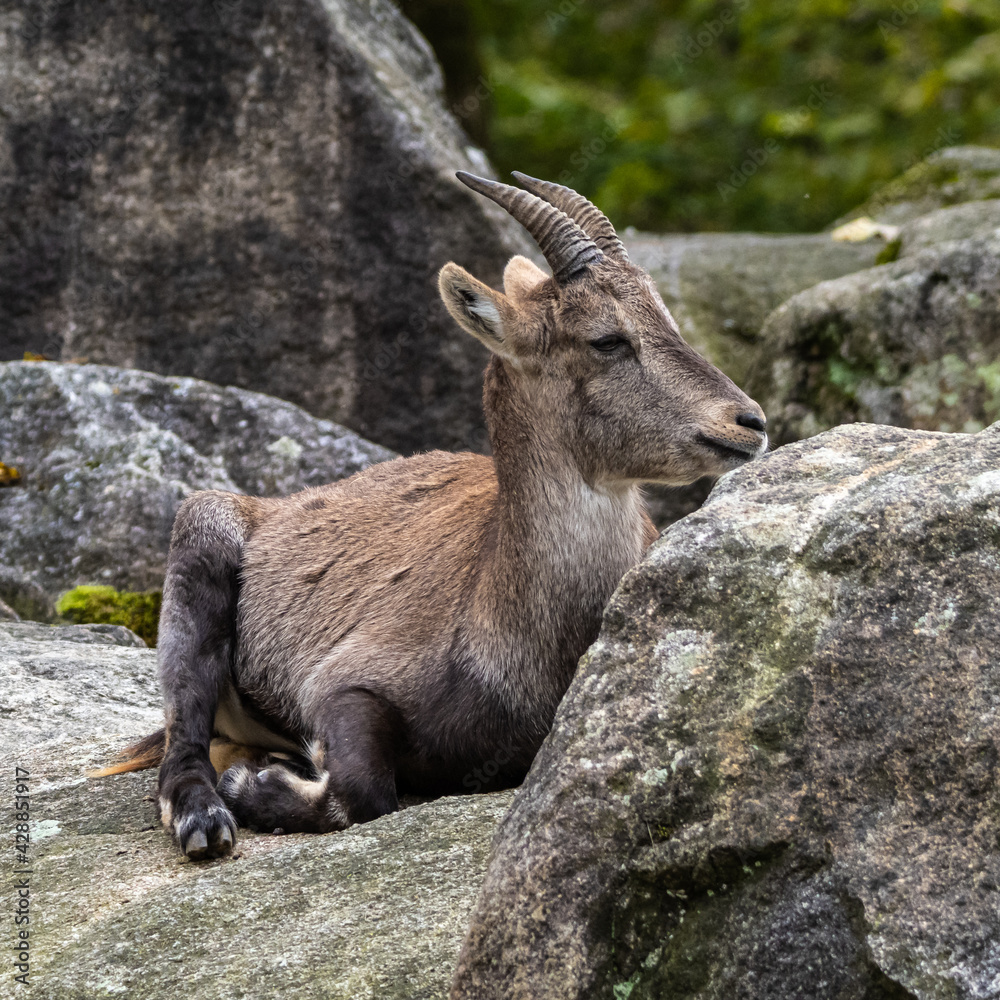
[
  {"x": 139, "y": 756},
  {"x": 149, "y": 752}
]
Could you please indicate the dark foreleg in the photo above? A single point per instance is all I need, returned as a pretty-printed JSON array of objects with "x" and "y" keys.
[
  {"x": 197, "y": 630},
  {"x": 354, "y": 778}
]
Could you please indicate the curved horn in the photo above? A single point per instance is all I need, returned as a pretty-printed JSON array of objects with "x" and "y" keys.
[
  {"x": 583, "y": 212},
  {"x": 567, "y": 248}
]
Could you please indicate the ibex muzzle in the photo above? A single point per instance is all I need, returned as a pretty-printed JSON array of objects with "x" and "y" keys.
[{"x": 402, "y": 629}]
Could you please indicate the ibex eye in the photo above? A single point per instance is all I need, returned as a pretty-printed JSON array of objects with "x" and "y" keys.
[{"x": 607, "y": 344}]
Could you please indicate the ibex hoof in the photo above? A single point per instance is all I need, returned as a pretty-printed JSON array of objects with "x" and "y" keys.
[{"x": 203, "y": 830}]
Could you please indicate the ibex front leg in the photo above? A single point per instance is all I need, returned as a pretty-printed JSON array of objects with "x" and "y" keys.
[{"x": 197, "y": 630}]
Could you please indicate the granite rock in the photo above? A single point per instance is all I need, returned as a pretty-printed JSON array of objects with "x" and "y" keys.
[
  {"x": 376, "y": 911},
  {"x": 914, "y": 343},
  {"x": 251, "y": 193},
  {"x": 106, "y": 455},
  {"x": 777, "y": 771}
]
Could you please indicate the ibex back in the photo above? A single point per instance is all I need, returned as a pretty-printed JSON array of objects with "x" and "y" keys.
[{"x": 402, "y": 628}]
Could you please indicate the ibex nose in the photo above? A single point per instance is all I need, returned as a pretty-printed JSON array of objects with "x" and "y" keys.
[{"x": 752, "y": 421}]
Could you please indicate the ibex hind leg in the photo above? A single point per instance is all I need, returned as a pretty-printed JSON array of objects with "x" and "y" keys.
[
  {"x": 278, "y": 798},
  {"x": 197, "y": 633},
  {"x": 352, "y": 779}
]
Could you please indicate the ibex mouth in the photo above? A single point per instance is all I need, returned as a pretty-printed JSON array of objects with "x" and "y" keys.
[{"x": 728, "y": 450}]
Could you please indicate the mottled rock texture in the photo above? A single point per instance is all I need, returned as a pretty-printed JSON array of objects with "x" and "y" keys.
[
  {"x": 257, "y": 194},
  {"x": 375, "y": 912},
  {"x": 106, "y": 455},
  {"x": 776, "y": 772},
  {"x": 945, "y": 177},
  {"x": 958, "y": 222},
  {"x": 915, "y": 343}
]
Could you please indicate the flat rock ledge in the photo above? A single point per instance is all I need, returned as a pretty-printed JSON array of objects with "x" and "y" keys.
[{"x": 377, "y": 911}]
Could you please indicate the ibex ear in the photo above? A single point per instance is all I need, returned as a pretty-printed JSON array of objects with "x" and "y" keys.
[
  {"x": 476, "y": 307},
  {"x": 521, "y": 277}
]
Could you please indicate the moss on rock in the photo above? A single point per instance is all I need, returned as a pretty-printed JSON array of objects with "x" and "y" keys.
[
  {"x": 138, "y": 611},
  {"x": 947, "y": 177}
]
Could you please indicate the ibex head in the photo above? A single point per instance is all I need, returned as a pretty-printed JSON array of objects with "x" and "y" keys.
[{"x": 591, "y": 359}]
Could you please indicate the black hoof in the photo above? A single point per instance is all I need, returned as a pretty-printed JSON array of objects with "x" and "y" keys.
[
  {"x": 202, "y": 824},
  {"x": 210, "y": 834}
]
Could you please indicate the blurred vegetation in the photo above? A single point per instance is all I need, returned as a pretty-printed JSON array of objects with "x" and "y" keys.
[
  {"x": 772, "y": 115},
  {"x": 138, "y": 611}
]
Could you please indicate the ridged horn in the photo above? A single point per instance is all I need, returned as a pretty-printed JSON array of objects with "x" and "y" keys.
[
  {"x": 582, "y": 211},
  {"x": 567, "y": 248}
]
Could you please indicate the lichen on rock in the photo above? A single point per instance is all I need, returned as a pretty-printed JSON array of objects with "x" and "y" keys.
[{"x": 915, "y": 343}]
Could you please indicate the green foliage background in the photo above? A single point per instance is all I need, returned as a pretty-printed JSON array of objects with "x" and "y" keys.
[{"x": 767, "y": 115}]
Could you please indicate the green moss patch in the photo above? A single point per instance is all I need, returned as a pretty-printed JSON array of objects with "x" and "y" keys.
[
  {"x": 104, "y": 605},
  {"x": 889, "y": 252}
]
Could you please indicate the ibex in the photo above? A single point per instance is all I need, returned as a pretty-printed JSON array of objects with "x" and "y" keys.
[{"x": 394, "y": 631}]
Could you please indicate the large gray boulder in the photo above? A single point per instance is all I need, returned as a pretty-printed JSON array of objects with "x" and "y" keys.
[
  {"x": 776, "y": 772},
  {"x": 375, "y": 912},
  {"x": 106, "y": 455},
  {"x": 915, "y": 343},
  {"x": 256, "y": 194},
  {"x": 957, "y": 222}
]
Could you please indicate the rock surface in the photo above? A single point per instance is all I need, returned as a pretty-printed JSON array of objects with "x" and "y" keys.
[
  {"x": 377, "y": 911},
  {"x": 958, "y": 222},
  {"x": 720, "y": 287},
  {"x": 106, "y": 455},
  {"x": 915, "y": 343},
  {"x": 255, "y": 194},
  {"x": 776, "y": 772},
  {"x": 946, "y": 177}
]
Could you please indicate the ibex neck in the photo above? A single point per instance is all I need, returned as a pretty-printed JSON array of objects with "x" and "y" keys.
[{"x": 560, "y": 546}]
